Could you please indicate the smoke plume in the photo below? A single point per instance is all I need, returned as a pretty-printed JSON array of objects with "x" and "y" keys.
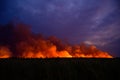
[{"x": 19, "y": 41}]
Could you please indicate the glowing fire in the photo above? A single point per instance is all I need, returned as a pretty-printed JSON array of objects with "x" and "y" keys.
[
  {"x": 4, "y": 52},
  {"x": 45, "y": 49},
  {"x": 24, "y": 44}
]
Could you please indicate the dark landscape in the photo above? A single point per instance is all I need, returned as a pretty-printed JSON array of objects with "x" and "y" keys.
[{"x": 60, "y": 69}]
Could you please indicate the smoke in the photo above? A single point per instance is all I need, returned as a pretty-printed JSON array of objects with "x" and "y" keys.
[{"x": 17, "y": 40}]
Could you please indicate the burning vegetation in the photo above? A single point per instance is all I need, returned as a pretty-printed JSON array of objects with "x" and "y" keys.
[{"x": 18, "y": 41}]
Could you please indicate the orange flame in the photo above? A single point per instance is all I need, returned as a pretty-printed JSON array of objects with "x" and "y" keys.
[
  {"x": 43, "y": 49},
  {"x": 28, "y": 45},
  {"x": 4, "y": 52}
]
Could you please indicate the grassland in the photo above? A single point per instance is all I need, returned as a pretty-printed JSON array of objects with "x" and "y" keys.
[{"x": 60, "y": 69}]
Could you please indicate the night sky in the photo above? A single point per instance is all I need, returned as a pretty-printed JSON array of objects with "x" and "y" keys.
[{"x": 91, "y": 21}]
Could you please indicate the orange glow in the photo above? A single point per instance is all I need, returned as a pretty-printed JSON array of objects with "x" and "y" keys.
[
  {"x": 4, "y": 52},
  {"x": 50, "y": 51},
  {"x": 26, "y": 44}
]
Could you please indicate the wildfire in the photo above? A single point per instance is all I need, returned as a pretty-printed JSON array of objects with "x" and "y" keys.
[
  {"x": 22, "y": 43},
  {"x": 4, "y": 52}
]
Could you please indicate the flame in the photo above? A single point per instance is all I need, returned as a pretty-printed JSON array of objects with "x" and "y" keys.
[
  {"x": 25, "y": 44},
  {"x": 4, "y": 52},
  {"x": 50, "y": 51}
]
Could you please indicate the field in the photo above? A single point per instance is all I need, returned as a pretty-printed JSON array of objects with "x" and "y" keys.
[{"x": 60, "y": 69}]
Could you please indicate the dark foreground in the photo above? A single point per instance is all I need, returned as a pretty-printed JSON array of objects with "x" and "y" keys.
[{"x": 60, "y": 69}]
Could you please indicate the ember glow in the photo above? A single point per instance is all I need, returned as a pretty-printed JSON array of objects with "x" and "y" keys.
[
  {"x": 4, "y": 52},
  {"x": 20, "y": 42}
]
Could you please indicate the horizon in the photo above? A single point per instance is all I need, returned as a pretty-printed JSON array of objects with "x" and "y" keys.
[{"x": 77, "y": 21}]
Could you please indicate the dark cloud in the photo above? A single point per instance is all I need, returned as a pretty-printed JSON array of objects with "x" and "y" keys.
[
  {"x": 77, "y": 20},
  {"x": 117, "y": 3},
  {"x": 3, "y": 5}
]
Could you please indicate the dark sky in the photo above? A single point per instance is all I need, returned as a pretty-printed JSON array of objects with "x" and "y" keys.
[{"x": 91, "y": 21}]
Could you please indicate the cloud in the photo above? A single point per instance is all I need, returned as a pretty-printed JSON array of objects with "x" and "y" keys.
[
  {"x": 105, "y": 36},
  {"x": 92, "y": 21}
]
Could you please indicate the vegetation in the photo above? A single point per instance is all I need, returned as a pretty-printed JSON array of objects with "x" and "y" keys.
[{"x": 60, "y": 69}]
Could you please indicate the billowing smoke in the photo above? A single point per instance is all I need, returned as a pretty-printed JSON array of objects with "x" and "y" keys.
[{"x": 17, "y": 40}]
